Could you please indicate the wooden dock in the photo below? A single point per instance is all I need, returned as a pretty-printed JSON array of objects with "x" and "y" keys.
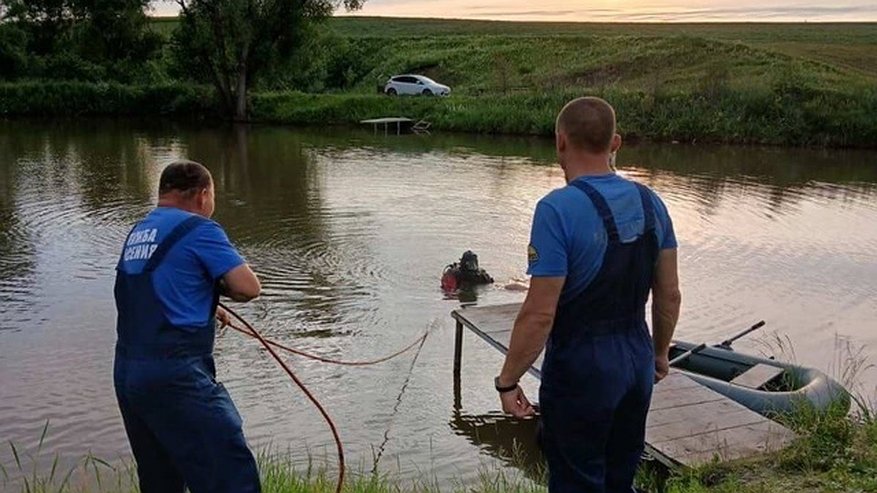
[
  {"x": 402, "y": 125},
  {"x": 688, "y": 423}
]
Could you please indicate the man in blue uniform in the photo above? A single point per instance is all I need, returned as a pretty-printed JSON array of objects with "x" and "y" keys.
[
  {"x": 598, "y": 247},
  {"x": 183, "y": 426}
]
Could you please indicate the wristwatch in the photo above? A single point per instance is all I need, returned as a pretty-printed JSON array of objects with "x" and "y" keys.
[{"x": 501, "y": 389}]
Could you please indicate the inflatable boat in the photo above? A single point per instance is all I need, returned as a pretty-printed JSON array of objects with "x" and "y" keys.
[{"x": 764, "y": 385}]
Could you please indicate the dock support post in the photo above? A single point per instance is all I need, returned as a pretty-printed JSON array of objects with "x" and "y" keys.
[{"x": 458, "y": 356}]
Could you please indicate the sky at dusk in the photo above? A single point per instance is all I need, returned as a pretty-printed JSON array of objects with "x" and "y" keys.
[{"x": 616, "y": 10}]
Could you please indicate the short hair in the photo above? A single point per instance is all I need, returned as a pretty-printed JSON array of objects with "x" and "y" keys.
[
  {"x": 184, "y": 176},
  {"x": 589, "y": 123}
]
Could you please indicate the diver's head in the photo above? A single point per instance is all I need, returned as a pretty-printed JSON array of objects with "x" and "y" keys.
[{"x": 469, "y": 261}]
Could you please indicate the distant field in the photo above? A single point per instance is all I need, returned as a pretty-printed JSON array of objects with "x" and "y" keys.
[
  {"x": 793, "y": 84},
  {"x": 753, "y": 32},
  {"x": 846, "y": 46}
]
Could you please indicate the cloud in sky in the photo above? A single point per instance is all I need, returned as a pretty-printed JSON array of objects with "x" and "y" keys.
[
  {"x": 617, "y": 10},
  {"x": 630, "y": 10}
]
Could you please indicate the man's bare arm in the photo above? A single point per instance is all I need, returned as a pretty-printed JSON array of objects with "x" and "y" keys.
[
  {"x": 666, "y": 303},
  {"x": 532, "y": 327},
  {"x": 241, "y": 283}
]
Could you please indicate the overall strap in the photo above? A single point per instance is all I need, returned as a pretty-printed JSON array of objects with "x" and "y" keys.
[
  {"x": 122, "y": 255},
  {"x": 648, "y": 207},
  {"x": 602, "y": 206},
  {"x": 174, "y": 237}
]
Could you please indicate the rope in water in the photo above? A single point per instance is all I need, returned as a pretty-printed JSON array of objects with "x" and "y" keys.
[
  {"x": 323, "y": 359},
  {"x": 382, "y": 447},
  {"x": 267, "y": 344},
  {"x": 303, "y": 388}
]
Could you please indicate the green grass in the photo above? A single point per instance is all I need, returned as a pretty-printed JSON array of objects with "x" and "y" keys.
[
  {"x": 835, "y": 453},
  {"x": 462, "y": 52},
  {"x": 765, "y": 116},
  {"x": 853, "y": 45},
  {"x": 164, "y": 25},
  {"x": 779, "y": 84},
  {"x": 840, "y": 32},
  {"x": 499, "y": 65},
  {"x": 86, "y": 98}
]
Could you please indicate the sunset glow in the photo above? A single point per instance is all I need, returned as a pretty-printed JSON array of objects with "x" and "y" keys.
[
  {"x": 629, "y": 10},
  {"x": 615, "y": 10}
]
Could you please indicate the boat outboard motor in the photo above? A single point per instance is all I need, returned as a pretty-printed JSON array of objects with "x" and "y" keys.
[{"x": 464, "y": 273}]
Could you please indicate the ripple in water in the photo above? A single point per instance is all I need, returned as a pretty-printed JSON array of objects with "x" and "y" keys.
[{"x": 350, "y": 233}]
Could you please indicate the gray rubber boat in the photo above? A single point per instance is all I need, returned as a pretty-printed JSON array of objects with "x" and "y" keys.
[{"x": 763, "y": 385}]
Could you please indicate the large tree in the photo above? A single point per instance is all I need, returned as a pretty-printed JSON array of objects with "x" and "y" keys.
[
  {"x": 47, "y": 22},
  {"x": 109, "y": 34},
  {"x": 232, "y": 41},
  {"x": 115, "y": 30}
]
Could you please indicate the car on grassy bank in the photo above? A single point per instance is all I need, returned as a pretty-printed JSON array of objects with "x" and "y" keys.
[{"x": 414, "y": 85}]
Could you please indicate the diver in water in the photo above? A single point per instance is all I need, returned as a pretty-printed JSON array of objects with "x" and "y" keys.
[{"x": 464, "y": 273}]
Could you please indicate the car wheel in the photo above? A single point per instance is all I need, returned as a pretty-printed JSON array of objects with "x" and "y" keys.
[
  {"x": 427, "y": 92},
  {"x": 391, "y": 92}
]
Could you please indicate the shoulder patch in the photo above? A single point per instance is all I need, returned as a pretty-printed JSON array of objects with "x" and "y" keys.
[{"x": 532, "y": 254}]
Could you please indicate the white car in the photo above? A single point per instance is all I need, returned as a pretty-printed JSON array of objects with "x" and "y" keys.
[{"x": 416, "y": 85}]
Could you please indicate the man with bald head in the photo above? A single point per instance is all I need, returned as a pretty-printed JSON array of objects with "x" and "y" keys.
[{"x": 598, "y": 248}]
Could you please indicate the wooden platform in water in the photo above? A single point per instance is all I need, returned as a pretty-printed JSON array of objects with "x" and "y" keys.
[
  {"x": 688, "y": 424},
  {"x": 402, "y": 125}
]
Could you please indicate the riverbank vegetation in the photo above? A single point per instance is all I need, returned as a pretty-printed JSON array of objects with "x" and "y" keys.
[
  {"x": 785, "y": 84},
  {"x": 836, "y": 452}
]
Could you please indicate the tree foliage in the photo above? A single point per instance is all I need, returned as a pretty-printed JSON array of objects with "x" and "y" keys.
[
  {"x": 13, "y": 51},
  {"x": 115, "y": 30},
  {"x": 75, "y": 39},
  {"x": 46, "y": 22},
  {"x": 231, "y": 42}
]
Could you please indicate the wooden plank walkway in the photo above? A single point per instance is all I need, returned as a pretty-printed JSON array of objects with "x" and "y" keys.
[
  {"x": 401, "y": 123},
  {"x": 688, "y": 424}
]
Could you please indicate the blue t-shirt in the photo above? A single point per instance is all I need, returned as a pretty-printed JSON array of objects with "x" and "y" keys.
[
  {"x": 185, "y": 279},
  {"x": 568, "y": 238}
]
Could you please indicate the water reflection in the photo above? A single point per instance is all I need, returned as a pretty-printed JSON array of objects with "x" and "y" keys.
[
  {"x": 512, "y": 441},
  {"x": 16, "y": 261},
  {"x": 350, "y": 233}
]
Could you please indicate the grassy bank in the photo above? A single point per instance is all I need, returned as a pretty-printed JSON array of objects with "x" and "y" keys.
[
  {"x": 772, "y": 84},
  {"x": 835, "y": 453},
  {"x": 85, "y": 98},
  {"x": 779, "y": 84},
  {"x": 850, "y": 45},
  {"x": 778, "y": 116},
  {"x": 753, "y": 116}
]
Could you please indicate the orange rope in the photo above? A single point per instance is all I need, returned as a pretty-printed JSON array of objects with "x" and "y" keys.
[
  {"x": 301, "y": 385},
  {"x": 268, "y": 343},
  {"x": 315, "y": 357}
]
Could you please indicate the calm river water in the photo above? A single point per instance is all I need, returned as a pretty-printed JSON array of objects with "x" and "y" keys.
[{"x": 350, "y": 233}]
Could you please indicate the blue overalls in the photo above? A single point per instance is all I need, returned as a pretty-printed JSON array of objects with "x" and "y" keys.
[
  {"x": 598, "y": 371},
  {"x": 183, "y": 426}
]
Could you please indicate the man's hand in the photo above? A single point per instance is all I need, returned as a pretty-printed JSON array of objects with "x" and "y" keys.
[
  {"x": 666, "y": 300},
  {"x": 222, "y": 317},
  {"x": 529, "y": 334},
  {"x": 662, "y": 367},
  {"x": 516, "y": 403}
]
